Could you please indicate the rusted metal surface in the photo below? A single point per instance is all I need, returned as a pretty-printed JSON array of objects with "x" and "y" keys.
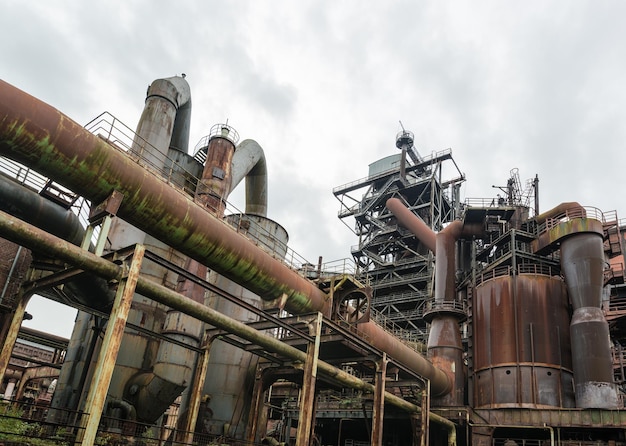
[
  {"x": 444, "y": 341},
  {"x": 565, "y": 229},
  {"x": 558, "y": 210},
  {"x": 44, "y": 139},
  {"x": 413, "y": 223},
  {"x": 230, "y": 367},
  {"x": 11, "y": 334},
  {"x": 164, "y": 121},
  {"x": 48, "y": 141},
  {"x": 105, "y": 364},
  {"x": 196, "y": 393},
  {"x": 588, "y": 418},
  {"x": 582, "y": 262},
  {"x": 378, "y": 406},
  {"x": 31, "y": 237},
  {"x": 214, "y": 186},
  {"x": 306, "y": 420},
  {"x": 446, "y": 352},
  {"x": 522, "y": 354}
]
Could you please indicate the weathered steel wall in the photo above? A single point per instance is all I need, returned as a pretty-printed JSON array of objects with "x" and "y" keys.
[{"x": 522, "y": 355}]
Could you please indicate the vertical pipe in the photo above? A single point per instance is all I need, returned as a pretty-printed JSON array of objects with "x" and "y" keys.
[{"x": 582, "y": 261}]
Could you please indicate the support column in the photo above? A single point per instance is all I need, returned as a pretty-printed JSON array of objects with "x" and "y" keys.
[
  {"x": 425, "y": 421},
  {"x": 11, "y": 336},
  {"x": 255, "y": 407},
  {"x": 378, "y": 409},
  {"x": 306, "y": 418},
  {"x": 196, "y": 391},
  {"x": 101, "y": 379}
]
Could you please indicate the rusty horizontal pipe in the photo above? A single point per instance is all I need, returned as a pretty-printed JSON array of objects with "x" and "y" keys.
[
  {"x": 44, "y": 139},
  {"x": 40, "y": 241}
]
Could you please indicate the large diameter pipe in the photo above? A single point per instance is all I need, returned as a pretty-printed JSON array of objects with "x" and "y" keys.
[
  {"x": 445, "y": 348},
  {"x": 582, "y": 261},
  {"x": 165, "y": 118},
  {"x": 28, "y": 205},
  {"x": 41, "y": 137},
  {"x": 558, "y": 210},
  {"x": 413, "y": 223},
  {"x": 37, "y": 240},
  {"x": 249, "y": 163}
]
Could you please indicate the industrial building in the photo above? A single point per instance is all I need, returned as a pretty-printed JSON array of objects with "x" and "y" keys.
[{"x": 483, "y": 321}]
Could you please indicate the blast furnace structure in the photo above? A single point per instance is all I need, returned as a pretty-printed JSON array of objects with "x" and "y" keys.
[{"x": 475, "y": 322}]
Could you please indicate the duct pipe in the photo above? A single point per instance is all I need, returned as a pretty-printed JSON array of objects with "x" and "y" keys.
[
  {"x": 37, "y": 240},
  {"x": 37, "y": 135},
  {"x": 41, "y": 137},
  {"x": 445, "y": 348},
  {"x": 582, "y": 264},
  {"x": 249, "y": 163},
  {"x": 164, "y": 123},
  {"x": 27, "y": 205},
  {"x": 153, "y": 392},
  {"x": 165, "y": 119},
  {"x": 559, "y": 210},
  {"x": 417, "y": 226}
]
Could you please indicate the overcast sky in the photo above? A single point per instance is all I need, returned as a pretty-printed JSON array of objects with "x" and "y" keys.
[{"x": 321, "y": 86}]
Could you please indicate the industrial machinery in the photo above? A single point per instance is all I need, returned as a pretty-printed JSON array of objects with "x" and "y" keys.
[{"x": 481, "y": 322}]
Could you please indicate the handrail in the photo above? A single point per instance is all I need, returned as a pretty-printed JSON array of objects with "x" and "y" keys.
[
  {"x": 571, "y": 214},
  {"x": 522, "y": 268},
  {"x": 37, "y": 182},
  {"x": 433, "y": 156}
]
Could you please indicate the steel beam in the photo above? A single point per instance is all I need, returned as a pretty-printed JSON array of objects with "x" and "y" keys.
[
  {"x": 35, "y": 239},
  {"x": 378, "y": 409},
  {"x": 306, "y": 420},
  {"x": 105, "y": 363}
]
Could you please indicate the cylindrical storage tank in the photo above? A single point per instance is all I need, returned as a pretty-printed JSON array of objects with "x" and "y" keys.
[
  {"x": 521, "y": 354},
  {"x": 230, "y": 374}
]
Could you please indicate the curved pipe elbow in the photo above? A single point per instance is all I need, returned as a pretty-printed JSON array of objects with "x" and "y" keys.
[
  {"x": 174, "y": 89},
  {"x": 128, "y": 410},
  {"x": 249, "y": 163},
  {"x": 557, "y": 210}
]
